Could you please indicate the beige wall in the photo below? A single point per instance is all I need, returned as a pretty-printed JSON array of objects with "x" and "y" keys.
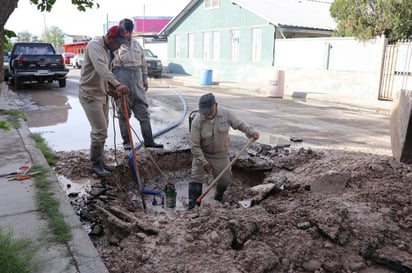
[{"x": 331, "y": 65}]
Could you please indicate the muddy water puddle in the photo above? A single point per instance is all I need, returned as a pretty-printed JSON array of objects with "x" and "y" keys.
[
  {"x": 155, "y": 200},
  {"x": 157, "y": 171}
]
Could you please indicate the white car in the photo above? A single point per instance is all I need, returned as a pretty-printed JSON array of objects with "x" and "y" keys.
[{"x": 77, "y": 60}]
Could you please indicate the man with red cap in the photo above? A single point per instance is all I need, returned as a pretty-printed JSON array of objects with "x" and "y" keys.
[{"x": 97, "y": 83}]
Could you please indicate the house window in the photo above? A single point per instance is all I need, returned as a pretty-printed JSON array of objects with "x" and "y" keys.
[
  {"x": 177, "y": 46},
  {"x": 216, "y": 45},
  {"x": 191, "y": 46},
  {"x": 206, "y": 46},
  {"x": 211, "y": 4},
  {"x": 256, "y": 44},
  {"x": 235, "y": 37}
]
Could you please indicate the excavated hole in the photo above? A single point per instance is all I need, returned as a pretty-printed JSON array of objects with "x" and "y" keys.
[
  {"x": 157, "y": 170},
  {"x": 287, "y": 210}
]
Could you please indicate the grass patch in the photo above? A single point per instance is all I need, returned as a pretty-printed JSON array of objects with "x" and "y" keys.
[
  {"x": 45, "y": 199},
  {"x": 4, "y": 125},
  {"x": 16, "y": 255},
  {"x": 45, "y": 149},
  {"x": 49, "y": 205},
  {"x": 13, "y": 117}
]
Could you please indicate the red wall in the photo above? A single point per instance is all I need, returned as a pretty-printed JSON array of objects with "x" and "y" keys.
[{"x": 75, "y": 47}]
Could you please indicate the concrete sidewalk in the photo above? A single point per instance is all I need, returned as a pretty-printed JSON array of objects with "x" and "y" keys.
[{"x": 18, "y": 210}]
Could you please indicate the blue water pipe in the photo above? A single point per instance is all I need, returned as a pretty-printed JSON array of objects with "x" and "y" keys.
[{"x": 156, "y": 134}]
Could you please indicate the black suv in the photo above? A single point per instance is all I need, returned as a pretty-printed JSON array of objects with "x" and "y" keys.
[{"x": 154, "y": 65}]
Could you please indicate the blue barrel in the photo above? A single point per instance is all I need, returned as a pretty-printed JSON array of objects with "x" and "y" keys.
[{"x": 206, "y": 76}]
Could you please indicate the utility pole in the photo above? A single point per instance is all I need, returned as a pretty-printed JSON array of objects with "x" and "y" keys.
[
  {"x": 107, "y": 23},
  {"x": 45, "y": 28},
  {"x": 144, "y": 17}
]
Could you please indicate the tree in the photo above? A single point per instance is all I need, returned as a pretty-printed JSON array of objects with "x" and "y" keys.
[
  {"x": 8, "y": 6},
  {"x": 366, "y": 19},
  {"x": 24, "y": 36},
  {"x": 53, "y": 35},
  {"x": 8, "y": 34}
]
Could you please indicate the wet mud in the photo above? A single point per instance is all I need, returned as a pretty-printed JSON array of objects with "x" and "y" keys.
[{"x": 287, "y": 210}]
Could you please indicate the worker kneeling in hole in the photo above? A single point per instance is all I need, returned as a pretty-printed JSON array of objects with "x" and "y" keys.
[{"x": 210, "y": 140}]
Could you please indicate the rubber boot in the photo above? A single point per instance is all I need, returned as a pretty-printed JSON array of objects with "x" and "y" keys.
[
  {"x": 97, "y": 163},
  {"x": 195, "y": 190},
  {"x": 148, "y": 136},
  {"x": 219, "y": 193},
  {"x": 109, "y": 168}
]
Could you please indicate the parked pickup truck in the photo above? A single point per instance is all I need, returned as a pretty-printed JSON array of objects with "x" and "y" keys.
[{"x": 36, "y": 62}]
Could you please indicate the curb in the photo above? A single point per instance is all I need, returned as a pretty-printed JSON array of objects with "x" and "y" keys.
[
  {"x": 77, "y": 255},
  {"x": 85, "y": 255}
]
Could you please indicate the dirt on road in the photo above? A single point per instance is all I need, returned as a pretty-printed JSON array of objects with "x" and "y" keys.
[{"x": 289, "y": 209}]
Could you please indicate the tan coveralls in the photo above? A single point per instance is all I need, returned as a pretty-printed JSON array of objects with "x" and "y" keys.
[
  {"x": 210, "y": 143},
  {"x": 93, "y": 86}
]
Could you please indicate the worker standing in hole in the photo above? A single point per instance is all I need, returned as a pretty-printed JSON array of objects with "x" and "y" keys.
[
  {"x": 129, "y": 66},
  {"x": 209, "y": 136}
]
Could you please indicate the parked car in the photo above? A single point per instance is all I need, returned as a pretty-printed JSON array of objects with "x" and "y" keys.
[
  {"x": 37, "y": 62},
  {"x": 154, "y": 65},
  {"x": 67, "y": 56},
  {"x": 6, "y": 66},
  {"x": 77, "y": 60}
]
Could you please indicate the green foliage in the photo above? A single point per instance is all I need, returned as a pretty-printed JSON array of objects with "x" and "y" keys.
[
  {"x": 13, "y": 116},
  {"x": 4, "y": 125},
  {"x": 49, "y": 205},
  {"x": 43, "y": 6},
  {"x": 24, "y": 36},
  {"x": 366, "y": 19},
  {"x": 45, "y": 149},
  {"x": 16, "y": 255},
  {"x": 8, "y": 34},
  {"x": 82, "y": 5},
  {"x": 53, "y": 35}
]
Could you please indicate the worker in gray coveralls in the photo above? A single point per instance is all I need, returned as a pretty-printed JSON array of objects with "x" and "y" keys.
[
  {"x": 129, "y": 66},
  {"x": 209, "y": 136}
]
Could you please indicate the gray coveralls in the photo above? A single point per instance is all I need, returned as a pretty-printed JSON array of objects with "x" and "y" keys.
[
  {"x": 210, "y": 143},
  {"x": 129, "y": 66}
]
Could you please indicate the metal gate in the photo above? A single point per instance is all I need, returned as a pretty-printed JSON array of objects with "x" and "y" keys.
[{"x": 396, "y": 70}]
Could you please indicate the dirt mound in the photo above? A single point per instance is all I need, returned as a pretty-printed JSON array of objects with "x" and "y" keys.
[{"x": 319, "y": 211}]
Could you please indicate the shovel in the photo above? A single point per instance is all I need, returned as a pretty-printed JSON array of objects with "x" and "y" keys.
[
  {"x": 214, "y": 181},
  {"x": 135, "y": 169}
]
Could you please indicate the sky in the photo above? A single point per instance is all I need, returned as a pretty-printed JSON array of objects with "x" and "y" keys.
[{"x": 65, "y": 16}]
